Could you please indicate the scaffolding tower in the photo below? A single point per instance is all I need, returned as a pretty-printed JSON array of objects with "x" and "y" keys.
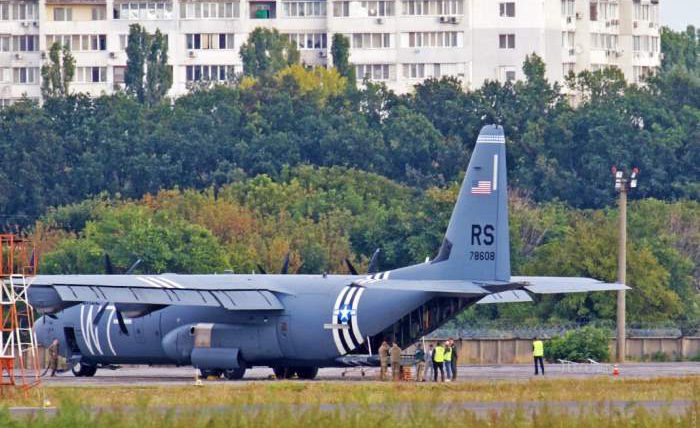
[{"x": 19, "y": 362}]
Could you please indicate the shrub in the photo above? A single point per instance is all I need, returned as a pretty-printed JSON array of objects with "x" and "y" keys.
[{"x": 579, "y": 345}]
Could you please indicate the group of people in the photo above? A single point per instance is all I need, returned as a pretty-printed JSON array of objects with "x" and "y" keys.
[{"x": 440, "y": 358}]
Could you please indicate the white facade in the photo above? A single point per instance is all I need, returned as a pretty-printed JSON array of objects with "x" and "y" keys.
[{"x": 399, "y": 42}]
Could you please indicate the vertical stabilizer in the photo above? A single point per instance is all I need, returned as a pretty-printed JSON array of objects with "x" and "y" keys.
[{"x": 476, "y": 245}]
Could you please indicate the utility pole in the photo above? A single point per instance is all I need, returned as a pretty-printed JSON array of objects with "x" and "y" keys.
[{"x": 623, "y": 184}]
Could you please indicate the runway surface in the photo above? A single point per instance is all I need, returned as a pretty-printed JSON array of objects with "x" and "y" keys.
[{"x": 144, "y": 375}]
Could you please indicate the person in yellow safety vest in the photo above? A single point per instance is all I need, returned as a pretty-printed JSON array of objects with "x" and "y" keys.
[
  {"x": 438, "y": 358},
  {"x": 448, "y": 361},
  {"x": 538, "y": 354}
]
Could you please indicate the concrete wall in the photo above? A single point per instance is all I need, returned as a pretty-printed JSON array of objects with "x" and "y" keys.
[{"x": 512, "y": 351}]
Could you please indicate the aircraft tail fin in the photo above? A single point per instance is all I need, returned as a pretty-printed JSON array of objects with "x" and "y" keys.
[{"x": 476, "y": 245}]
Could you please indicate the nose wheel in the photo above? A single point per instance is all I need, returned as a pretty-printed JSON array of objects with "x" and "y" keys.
[{"x": 81, "y": 369}]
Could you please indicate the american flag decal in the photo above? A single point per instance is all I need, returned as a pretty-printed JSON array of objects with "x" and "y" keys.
[{"x": 481, "y": 187}]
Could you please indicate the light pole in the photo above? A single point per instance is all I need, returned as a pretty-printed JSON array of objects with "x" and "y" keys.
[{"x": 623, "y": 184}]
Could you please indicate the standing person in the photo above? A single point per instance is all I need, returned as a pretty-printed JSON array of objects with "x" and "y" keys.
[
  {"x": 538, "y": 354},
  {"x": 448, "y": 361},
  {"x": 383, "y": 360},
  {"x": 439, "y": 362},
  {"x": 53, "y": 357},
  {"x": 430, "y": 367},
  {"x": 420, "y": 363},
  {"x": 395, "y": 361},
  {"x": 454, "y": 359}
]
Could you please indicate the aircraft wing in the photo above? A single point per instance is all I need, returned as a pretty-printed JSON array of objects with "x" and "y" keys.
[
  {"x": 555, "y": 284},
  {"x": 52, "y": 293},
  {"x": 439, "y": 287}
]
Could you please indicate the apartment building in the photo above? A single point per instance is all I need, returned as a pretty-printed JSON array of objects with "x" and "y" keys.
[{"x": 399, "y": 42}]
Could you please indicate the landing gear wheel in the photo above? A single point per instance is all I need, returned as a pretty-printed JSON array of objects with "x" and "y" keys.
[
  {"x": 83, "y": 369},
  {"x": 234, "y": 374},
  {"x": 283, "y": 372},
  {"x": 205, "y": 373},
  {"x": 307, "y": 373}
]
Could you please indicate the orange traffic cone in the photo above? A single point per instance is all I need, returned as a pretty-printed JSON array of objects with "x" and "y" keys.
[{"x": 616, "y": 371}]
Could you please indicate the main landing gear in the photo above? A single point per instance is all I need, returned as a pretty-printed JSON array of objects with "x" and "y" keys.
[
  {"x": 306, "y": 373},
  {"x": 81, "y": 369}
]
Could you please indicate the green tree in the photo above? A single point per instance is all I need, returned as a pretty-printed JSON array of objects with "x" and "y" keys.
[
  {"x": 58, "y": 73},
  {"x": 148, "y": 75},
  {"x": 266, "y": 52},
  {"x": 340, "y": 52}
]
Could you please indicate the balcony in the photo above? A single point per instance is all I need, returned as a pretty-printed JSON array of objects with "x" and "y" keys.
[{"x": 263, "y": 10}]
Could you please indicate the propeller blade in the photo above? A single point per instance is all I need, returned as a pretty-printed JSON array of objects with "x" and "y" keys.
[
  {"x": 133, "y": 267},
  {"x": 122, "y": 324},
  {"x": 374, "y": 262},
  {"x": 351, "y": 268},
  {"x": 52, "y": 316},
  {"x": 99, "y": 314},
  {"x": 285, "y": 265},
  {"x": 109, "y": 269},
  {"x": 32, "y": 262},
  {"x": 262, "y": 270}
]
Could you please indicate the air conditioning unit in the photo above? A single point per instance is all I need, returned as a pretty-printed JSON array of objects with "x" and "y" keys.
[
  {"x": 651, "y": 54},
  {"x": 607, "y": 23},
  {"x": 618, "y": 53},
  {"x": 616, "y": 22},
  {"x": 191, "y": 54},
  {"x": 635, "y": 24},
  {"x": 322, "y": 54},
  {"x": 572, "y": 52},
  {"x": 651, "y": 25},
  {"x": 113, "y": 55},
  {"x": 43, "y": 55},
  {"x": 454, "y": 20},
  {"x": 25, "y": 24},
  {"x": 380, "y": 21},
  {"x": 578, "y": 15},
  {"x": 569, "y": 20},
  {"x": 18, "y": 56},
  {"x": 35, "y": 23},
  {"x": 444, "y": 19}
]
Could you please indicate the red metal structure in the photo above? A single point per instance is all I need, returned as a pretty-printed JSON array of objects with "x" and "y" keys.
[{"x": 19, "y": 363}]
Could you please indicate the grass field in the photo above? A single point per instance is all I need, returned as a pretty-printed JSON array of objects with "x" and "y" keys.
[{"x": 368, "y": 404}]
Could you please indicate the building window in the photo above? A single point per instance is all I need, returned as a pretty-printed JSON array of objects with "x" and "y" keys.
[
  {"x": 5, "y": 43},
  {"x": 63, "y": 14},
  {"x": 143, "y": 10},
  {"x": 118, "y": 72},
  {"x": 90, "y": 74},
  {"x": 25, "y": 75},
  {"x": 603, "y": 41},
  {"x": 434, "y": 39},
  {"x": 568, "y": 68},
  {"x": 208, "y": 73},
  {"x": 506, "y": 41},
  {"x": 25, "y": 43},
  {"x": 433, "y": 7},
  {"x": 422, "y": 71},
  {"x": 593, "y": 7},
  {"x": 373, "y": 71},
  {"x": 79, "y": 42},
  {"x": 507, "y": 9},
  {"x": 99, "y": 13},
  {"x": 309, "y": 41},
  {"x": 568, "y": 39},
  {"x": 209, "y": 41},
  {"x": 123, "y": 41},
  {"x": 379, "y": 8},
  {"x": 303, "y": 9},
  {"x": 341, "y": 8},
  {"x": 209, "y": 10},
  {"x": 370, "y": 40},
  {"x": 567, "y": 8},
  {"x": 18, "y": 11}
]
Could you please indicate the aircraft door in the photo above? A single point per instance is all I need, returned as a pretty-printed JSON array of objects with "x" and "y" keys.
[{"x": 284, "y": 335}]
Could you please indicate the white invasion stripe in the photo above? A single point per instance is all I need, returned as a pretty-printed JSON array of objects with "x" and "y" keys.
[
  {"x": 355, "y": 325},
  {"x": 160, "y": 282},
  {"x": 495, "y": 172},
  {"x": 83, "y": 332},
  {"x": 108, "y": 329},
  {"x": 149, "y": 282},
  {"x": 94, "y": 333},
  {"x": 171, "y": 282},
  {"x": 387, "y": 274},
  {"x": 336, "y": 336},
  {"x": 491, "y": 139},
  {"x": 346, "y": 332}
]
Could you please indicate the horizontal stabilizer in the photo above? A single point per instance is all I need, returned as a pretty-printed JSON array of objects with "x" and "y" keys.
[
  {"x": 513, "y": 296},
  {"x": 440, "y": 287},
  {"x": 555, "y": 285}
]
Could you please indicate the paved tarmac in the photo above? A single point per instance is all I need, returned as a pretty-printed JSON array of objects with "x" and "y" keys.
[{"x": 144, "y": 375}]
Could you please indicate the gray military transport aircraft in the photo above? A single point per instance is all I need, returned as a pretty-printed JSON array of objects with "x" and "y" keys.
[{"x": 225, "y": 323}]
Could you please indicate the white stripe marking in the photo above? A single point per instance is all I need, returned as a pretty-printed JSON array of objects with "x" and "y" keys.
[
  {"x": 171, "y": 282},
  {"x": 108, "y": 329},
  {"x": 495, "y": 172},
  {"x": 83, "y": 328},
  {"x": 334, "y": 316},
  {"x": 149, "y": 282},
  {"x": 94, "y": 333},
  {"x": 355, "y": 325},
  {"x": 346, "y": 332},
  {"x": 160, "y": 282}
]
